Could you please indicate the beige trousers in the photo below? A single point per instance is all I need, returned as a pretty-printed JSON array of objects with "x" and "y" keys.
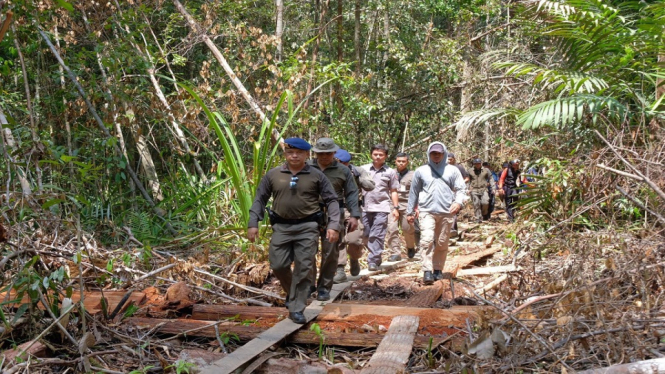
[{"x": 434, "y": 233}]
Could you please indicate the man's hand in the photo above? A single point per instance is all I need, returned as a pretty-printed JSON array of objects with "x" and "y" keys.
[
  {"x": 501, "y": 192},
  {"x": 332, "y": 235},
  {"x": 411, "y": 219},
  {"x": 395, "y": 213},
  {"x": 252, "y": 233},
  {"x": 455, "y": 208},
  {"x": 353, "y": 224}
]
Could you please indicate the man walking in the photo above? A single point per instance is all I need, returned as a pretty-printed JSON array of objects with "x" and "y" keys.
[
  {"x": 379, "y": 203},
  {"x": 404, "y": 176},
  {"x": 353, "y": 240},
  {"x": 453, "y": 161},
  {"x": 296, "y": 189},
  {"x": 508, "y": 183},
  {"x": 345, "y": 187},
  {"x": 438, "y": 190},
  {"x": 480, "y": 180},
  {"x": 490, "y": 189}
]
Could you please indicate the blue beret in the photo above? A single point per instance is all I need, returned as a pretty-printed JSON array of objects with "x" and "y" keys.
[
  {"x": 343, "y": 155},
  {"x": 297, "y": 143}
]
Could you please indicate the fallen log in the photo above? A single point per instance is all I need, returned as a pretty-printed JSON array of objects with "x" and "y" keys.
[
  {"x": 206, "y": 329},
  {"x": 92, "y": 300},
  {"x": 394, "y": 351}
]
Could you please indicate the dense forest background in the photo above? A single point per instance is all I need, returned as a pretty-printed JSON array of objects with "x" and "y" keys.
[{"x": 156, "y": 119}]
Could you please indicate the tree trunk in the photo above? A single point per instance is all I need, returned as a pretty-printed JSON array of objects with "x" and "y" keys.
[
  {"x": 315, "y": 52},
  {"x": 7, "y": 141},
  {"x": 279, "y": 28},
  {"x": 68, "y": 131},
  {"x": 356, "y": 39},
  {"x": 146, "y": 159},
  {"x": 36, "y": 144}
]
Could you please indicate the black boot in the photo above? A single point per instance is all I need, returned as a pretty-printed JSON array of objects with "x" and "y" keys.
[
  {"x": 428, "y": 278},
  {"x": 411, "y": 252},
  {"x": 438, "y": 275},
  {"x": 298, "y": 318}
]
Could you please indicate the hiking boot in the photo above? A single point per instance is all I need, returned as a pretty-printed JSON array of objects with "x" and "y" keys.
[
  {"x": 297, "y": 317},
  {"x": 340, "y": 275},
  {"x": 428, "y": 278},
  {"x": 372, "y": 267},
  {"x": 355, "y": 267},
  {"x": 438, "y": 275},
  {"x": 453, "y": 233},
  {"x": 395, "y": 258},
  {"x": 411, "y": 252},
  {"x": 323, "y": 295},
  {"x": 312, "y": 289}
]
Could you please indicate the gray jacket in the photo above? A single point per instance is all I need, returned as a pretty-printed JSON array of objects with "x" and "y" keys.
[{"x": 435, "y": 187}]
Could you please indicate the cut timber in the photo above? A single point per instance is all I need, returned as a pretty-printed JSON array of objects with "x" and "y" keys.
[
  {"x": 488, "y": 270},
  {"x": 489, "y": 241},
  {"x": 492, "y": 284},
  {"x": 656, "y": 365},
  {"x": 459, "y": 262},
  {"x": 27, "y": 349},
  {"x": 426, "y": 296},
  {"x": 92, "y": 300},
  {"x": 217, "y": 312},
  {"x": 304, "y": 336},
  {"x": 268, "y": 338},
  {"x": 394, "y": 351}
]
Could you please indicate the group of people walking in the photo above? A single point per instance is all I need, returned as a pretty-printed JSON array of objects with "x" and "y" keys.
[{"x": 348, "y": 208}]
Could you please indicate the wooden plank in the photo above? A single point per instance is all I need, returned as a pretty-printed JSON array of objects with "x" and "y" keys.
[
  {"x": 489, "y": 241},
  {"x": 394, "y": 351},
  {"x": 92, "y": 299},
  {"x": 303, "y": 336},
  {"x": 488, "y": 270},
  {"x": 268, "y": 338}
]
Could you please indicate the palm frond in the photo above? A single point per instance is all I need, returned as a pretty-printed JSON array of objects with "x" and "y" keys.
[
  {"x": 567, "y": 111},
  {"x": 475, "y": 118},
  {"x": 561, "y": 81}
]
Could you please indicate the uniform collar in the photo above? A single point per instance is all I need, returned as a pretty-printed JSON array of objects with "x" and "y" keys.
[
  {"x": 315, "y": 164},
  {"x": 371, "y": 167},
  {"x": 285, "y": 168}
]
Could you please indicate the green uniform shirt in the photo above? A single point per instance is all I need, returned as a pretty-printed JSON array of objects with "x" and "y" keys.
[
  {"x": 479, "y": 179},
  {"x": 345, "y": 187},
  {"x": 298, "y": 202}
]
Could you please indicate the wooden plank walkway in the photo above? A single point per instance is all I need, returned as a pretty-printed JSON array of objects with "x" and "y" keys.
[
  {"x": 393, "y": 353},
  {"x": 268, "y": 338}
]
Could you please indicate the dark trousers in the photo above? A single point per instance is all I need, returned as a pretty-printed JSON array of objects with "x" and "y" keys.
[
  {"x": 294, "y": 244},
  {"x": 329, "y": 259},
  {"x": 492, "y": 203},
  {"x": 511, "y": 200}
]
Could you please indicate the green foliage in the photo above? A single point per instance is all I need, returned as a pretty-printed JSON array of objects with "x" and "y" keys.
[
  {"x": 182, "y": 366},
  {"x": 322, "y": 338}
]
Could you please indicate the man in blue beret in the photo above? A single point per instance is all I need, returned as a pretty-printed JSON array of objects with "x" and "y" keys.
[{"x": 295, "y": 216}]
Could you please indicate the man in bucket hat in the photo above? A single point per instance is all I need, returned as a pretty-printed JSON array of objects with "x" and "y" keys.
[
  {"x": 296, "y": 189},
  {"x": 345, "y": 187}
]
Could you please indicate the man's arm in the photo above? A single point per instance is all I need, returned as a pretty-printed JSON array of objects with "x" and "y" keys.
[
  {"x": 502, "y": 180},
  {"x": 256, "y": 212},
  {"x": 416, "y": 186},
  {"x": 351, "y": 194},
  {"x": 365, "y": 179},
  {"x": 329, "y": 198},
  {"x": 490, "y": 181}
]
